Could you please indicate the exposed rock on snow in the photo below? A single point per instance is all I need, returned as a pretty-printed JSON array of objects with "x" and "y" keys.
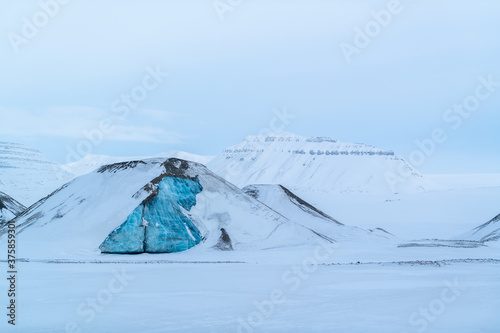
[
  {"x": 285, "y": 202},
  {"x": 490, "y": 231},
  {"x": 381, "y": 232},
  {"x": 9, "y": 208},
  {"x": 278, "y": 196},
  {"x": 224, "y": 243},
  {"x": 93, "y": 162}
]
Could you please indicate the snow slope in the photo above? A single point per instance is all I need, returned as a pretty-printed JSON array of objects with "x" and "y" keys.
[
  {"x": 27, "y": 175},
  {"x": 464, "y": 181},
  {"x": 490, "y": 231},
  {"x": 92, "y": 162},
  {"x": 77, "y": 218},
  {"x": 282, "y": 200},
  {"x": 435, "y": 214},
  {"x": 9, "y": 208},
  {"x": 316, "y": 163}
]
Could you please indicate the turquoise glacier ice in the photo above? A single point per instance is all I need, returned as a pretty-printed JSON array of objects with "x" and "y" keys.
[{"x": 159, "y": 225}]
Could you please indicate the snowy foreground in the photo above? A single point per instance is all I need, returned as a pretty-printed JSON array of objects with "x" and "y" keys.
[
  {"x": 303, "y": 289},
  {"x": 353, "y": 286},
  {"x": 293, "y": 267}
]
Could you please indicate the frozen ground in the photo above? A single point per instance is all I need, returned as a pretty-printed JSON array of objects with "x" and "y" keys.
[{"x": 372, "y": 296}]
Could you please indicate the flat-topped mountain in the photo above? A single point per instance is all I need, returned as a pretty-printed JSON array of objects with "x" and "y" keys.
[{"x": 317, "y": 163}]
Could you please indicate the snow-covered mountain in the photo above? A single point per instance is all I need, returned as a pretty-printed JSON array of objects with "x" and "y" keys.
[
  {"x": 27, "y": 175},
  {"x": 153, "y": 205},
  {"x": 92, "y": 162},
  {"x": 9, "y": 208},
  {"x": 316, "y": 163},
  {"x": 285, "y": 202},
  {"x": 489, "y": 231}
]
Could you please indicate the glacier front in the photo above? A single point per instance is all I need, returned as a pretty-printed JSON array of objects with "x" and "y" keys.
[{"x": 159, "y": 225}]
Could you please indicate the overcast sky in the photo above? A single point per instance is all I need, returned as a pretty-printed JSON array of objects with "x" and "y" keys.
[{"x": 232, "y": 66}]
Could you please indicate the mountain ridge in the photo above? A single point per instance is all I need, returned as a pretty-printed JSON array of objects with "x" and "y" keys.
[{"x": 93, "y": 162}]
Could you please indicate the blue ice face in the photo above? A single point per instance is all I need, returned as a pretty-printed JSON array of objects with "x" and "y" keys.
[
  {"x": 159, "y": 226},
  {"x": 127, "y": 238}
]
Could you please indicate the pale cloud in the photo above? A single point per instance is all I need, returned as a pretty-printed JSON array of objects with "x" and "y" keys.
[
  {"x": 158, "y": 115},
  {"x": 63, "y": 122},
  {"x": 72, "y": 122},
  {"x": 144, "y": 134}
]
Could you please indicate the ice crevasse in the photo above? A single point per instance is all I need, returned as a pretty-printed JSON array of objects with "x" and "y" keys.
[{"x": 159, "y": 225}]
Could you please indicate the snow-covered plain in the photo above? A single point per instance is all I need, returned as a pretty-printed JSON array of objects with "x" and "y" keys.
[
  {"x": 352, "y": 286},
  {"x": 266, "y": 291},
  {"x": 360, "y": 283}
]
